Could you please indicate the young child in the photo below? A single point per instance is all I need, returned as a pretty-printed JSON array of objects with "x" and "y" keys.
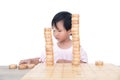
[{"x": 61, "y": 25}]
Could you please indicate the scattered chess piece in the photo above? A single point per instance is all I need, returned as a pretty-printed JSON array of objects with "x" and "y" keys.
[
  {"x": 30, "y": 66},
  {"x": 99, "y": 63},
  {"x": 22, "y": 66},
  {"x": 12, "y": 66}
]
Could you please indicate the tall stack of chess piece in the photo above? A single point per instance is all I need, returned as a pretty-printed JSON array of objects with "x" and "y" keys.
[
  {"x": 49, "y": 46},
  {"x": 75, "y": 39}
]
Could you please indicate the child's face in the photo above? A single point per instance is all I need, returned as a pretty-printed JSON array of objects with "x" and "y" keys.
[{"x": 60, "y": 33}]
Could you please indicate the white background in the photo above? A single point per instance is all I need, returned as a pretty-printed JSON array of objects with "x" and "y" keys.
[{"x": 22, "y": 24}]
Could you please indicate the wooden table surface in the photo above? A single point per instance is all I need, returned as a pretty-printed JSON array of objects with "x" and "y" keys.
[{"x": 67, "y": 71}]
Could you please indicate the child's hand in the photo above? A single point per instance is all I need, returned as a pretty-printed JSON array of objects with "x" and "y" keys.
[
  {"x": 26, "y": 61},
  {"x": 63, "y": 61},
  {"x": 30, "y": 61},
  {"x": 35, "y": 61}
]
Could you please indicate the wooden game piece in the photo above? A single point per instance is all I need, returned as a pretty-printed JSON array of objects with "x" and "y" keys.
[
  {"x": 48, "y": 53},
  {"x": 76, "y": 49},
  {"x": 76, "y": 63},
  {"x": 49, "y": 60},
  {"x": 22, "y": 66},
  {"x": 76, "y": 46},
  {"x": 49, "y": 49},
  {"x": 47, "y": 35},
  {"x": 76, "y": 42},
  {"x": 99, "y": 63},
  {"x": 75, "y": 33},
  {"x": 75, "y": 15},
  {"x": 12, "y": 66},
  {"x": 51, "y": 63},
  {"x": 76, "y": 58},
  {"x": 75, "y": 30},
  {"x": 75, "y": 25},
  {"x": 50, "y": 56},
  {"x": 47, "y": 29},
  {"x": 49, "y": 43},
  {"x": 75, "y": 39},
  {"x": 75, "y": 18},
  {"x": 75, "y": 36},
  {"x": 76, "y": 21},
  {"x": 30, "y": 66},
  {"x": 48, "y": 40}
]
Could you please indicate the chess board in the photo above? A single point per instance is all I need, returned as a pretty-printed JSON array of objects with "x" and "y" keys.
[{"x": 67, "y": 71}]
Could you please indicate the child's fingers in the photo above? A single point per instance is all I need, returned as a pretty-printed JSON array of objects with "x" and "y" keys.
[{"x": 24, "y": 61}]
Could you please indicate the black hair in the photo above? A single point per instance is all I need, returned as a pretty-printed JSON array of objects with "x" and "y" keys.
[{"x": 62, "y": 16}]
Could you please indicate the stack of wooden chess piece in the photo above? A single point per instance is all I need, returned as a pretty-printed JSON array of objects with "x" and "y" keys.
[
  {"x": 49, "y": 46},
  {"x": 75, "y": 39}
]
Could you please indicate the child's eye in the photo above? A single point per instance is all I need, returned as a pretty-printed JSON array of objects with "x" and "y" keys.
[{"x": 59, "y": 31}]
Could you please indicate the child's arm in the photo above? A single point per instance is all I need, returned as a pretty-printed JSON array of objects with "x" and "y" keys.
[{"x": 30, "y": 61}]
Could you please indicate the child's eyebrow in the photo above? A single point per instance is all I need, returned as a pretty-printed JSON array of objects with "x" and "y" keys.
[{"x": 55, "y": 28}]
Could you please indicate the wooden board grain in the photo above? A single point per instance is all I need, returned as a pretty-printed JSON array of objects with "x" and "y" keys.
[{"x": 67, "y": 71}]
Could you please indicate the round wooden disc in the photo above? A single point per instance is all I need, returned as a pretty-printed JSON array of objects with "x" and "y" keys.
[
  {"x": 30, "y": 66},
  {"x": 12, "y": 66},
  {"x": 22, "y": 66}
]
